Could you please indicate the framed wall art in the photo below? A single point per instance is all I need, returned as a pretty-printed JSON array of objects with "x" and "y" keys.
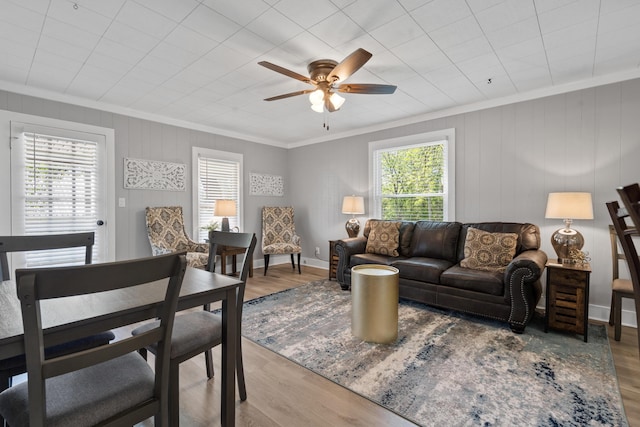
[
  {"x": 154, "y": 175},
  {"x": 266, "y": 185}
]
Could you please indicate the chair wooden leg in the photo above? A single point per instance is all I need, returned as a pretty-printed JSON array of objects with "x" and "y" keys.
[
  {"x": 5, "y": 383},
  {"x": 242, "y": 388},
  {"x": 143, "y": 353},
  {"x": 266, "y": 263},
  {"x": 613, "y": 307},
  {"x": 637, "y": 304},
  {"x": 617, "y": 316},
  {"x": 299, "y": 271},
  {"x": 293, "y": 264},
  {"x": 5, "y": 380},
  {"x": 208, "y": 361},
  {"x": 174, "y": 394}
]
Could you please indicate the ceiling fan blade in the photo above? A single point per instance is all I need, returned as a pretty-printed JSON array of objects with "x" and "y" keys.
[
  {"x": 288, "y": 73},
  {"x": 349, "y": 65},
  {"x": 367, "y": 88},
  {"x": 289, "y": 95}
]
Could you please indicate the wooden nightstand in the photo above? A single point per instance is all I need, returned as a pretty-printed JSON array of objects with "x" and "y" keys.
[
  {"x": 567, "y": 305},
  {"x": 333, "y": 260}
]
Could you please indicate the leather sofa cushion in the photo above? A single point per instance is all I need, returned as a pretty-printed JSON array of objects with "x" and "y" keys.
[
  {"x": 528, "y": 235},
  {"x": 406, "y": 231},
  {"x": 422, "y": 269},
  {"x": 360, "y": 259},
  {"x": 435, "y": 240},
  {"x": 488, "y": 282}
]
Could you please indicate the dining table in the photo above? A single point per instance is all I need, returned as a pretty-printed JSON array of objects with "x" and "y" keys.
[{"x": 69, "y": 318}]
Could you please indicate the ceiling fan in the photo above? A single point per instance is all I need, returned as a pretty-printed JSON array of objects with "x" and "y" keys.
[{"x": 327, "y": 75}]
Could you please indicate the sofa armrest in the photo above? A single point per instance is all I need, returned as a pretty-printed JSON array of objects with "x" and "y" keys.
[
  {"x": 345, "y": 248},
  {"x": 523, "y": 288}
]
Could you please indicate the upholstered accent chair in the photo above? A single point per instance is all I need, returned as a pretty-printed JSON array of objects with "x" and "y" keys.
[
  {"x": 165, "y": 227},
  {"x": 279, "y": 235}
]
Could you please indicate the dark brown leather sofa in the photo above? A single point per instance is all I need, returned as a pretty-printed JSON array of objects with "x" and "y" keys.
[{"x": 430, "y": 272}]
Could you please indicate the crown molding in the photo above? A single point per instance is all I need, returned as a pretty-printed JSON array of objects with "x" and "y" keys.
[{"x": 130, "y": 112}]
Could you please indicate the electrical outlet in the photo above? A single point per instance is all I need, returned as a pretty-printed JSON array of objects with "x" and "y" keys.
[{"x": 317, "y": 251}]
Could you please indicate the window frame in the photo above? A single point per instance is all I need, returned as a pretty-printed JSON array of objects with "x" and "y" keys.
[
  {"x": 228, "y": 156},
  {"x": 447, "y": 136}
]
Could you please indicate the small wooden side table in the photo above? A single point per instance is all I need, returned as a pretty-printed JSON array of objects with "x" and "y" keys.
[
  {"x": 233, "y": 252},
  {"x": 567, "y": 305},
  {"x": 333, "y": 260}
]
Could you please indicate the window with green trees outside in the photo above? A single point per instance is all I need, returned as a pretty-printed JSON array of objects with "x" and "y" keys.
[{"x": 411, "y": 181}]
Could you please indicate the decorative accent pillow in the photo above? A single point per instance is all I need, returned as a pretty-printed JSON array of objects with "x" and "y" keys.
[
  {"x": 488, "y": 251},
  {"x": 384, "y": 238}
]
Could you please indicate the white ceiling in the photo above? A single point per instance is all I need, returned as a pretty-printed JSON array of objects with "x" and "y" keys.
[{"x": 194, "y": 63}]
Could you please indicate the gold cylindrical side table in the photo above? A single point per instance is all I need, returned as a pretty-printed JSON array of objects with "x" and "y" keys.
[{"x": 374, "y": 303}]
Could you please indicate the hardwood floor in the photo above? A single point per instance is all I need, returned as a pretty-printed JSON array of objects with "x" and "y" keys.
[{"x": 281, "y": 393}]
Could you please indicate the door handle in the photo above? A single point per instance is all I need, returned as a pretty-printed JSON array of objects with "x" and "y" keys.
[{"x": 100, "y": 222}]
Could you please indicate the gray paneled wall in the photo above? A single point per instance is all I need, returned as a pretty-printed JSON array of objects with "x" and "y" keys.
[{"x": 507, "y": 160}]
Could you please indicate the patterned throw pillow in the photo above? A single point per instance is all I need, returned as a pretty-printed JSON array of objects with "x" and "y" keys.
[
  {"x": 384, "y": 238},
  {"x": 488, "y": 251}
]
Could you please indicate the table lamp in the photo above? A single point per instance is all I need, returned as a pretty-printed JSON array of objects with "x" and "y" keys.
[
  {"x": 353, "y": 205},
  {"x": 225, "y": 208},
  {"x": 568, "y": 206}
]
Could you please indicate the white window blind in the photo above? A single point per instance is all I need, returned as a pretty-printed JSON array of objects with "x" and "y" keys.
[
  {"x": 413, "y": 180},
  {"x": 218, "y": 177},
  {"x": 60, "y": 193}
]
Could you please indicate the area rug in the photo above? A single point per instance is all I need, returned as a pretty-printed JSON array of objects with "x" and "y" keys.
[{"x": 446, "y": 368}]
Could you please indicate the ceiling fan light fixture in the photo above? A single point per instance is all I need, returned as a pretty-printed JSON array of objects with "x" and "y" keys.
[
  {"x": 336, "y": 100},
  {"x": 318, "y": 108},
  {"x": 316, "y": 97}
]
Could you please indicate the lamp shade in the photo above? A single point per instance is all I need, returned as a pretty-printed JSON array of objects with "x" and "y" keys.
[
  {"x": 569, "y": 206},
  {"x": 225, "y": 208},
  {"x": 336, "y": 100},
  {"x": 353, "y": 205}
]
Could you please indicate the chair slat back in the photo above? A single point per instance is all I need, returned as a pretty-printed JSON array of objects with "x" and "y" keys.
[
  {"x": 9, "y": 244},
  {"x": 239, "y": 240},
  {"x": 616, "y": 255},
  {"x": 625, "y": 235},
  {"x": 39, "y": 284},
  {"x": 630, "y": 196}
]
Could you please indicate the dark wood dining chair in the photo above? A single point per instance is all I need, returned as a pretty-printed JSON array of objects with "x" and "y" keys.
[
  {"x": 106, "y": 385},
  {"x": 11, "y": 244},
  {"x": 620, "y": 288},
  {"x": 199, "y": 331},
  {"x": 625, "y": 236}
]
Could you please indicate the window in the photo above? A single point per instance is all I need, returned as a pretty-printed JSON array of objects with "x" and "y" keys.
[
  {"x": 61, "y": 184},
  {"x": 216, "y": 176},
  {"x": 413, "y": 177}
]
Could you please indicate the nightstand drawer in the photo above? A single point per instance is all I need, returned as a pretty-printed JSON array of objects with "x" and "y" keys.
[{"x": 572, "y": 278}]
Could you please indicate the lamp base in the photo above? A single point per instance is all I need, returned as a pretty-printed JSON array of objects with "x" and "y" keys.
[
  {"x": 567, "y": 242},
  {"x": 225, "y": 224},
  {"x": 353, "y": 227}
]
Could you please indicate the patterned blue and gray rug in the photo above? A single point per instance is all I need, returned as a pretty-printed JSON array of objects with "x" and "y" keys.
[{"x": 445, "y": 368}]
